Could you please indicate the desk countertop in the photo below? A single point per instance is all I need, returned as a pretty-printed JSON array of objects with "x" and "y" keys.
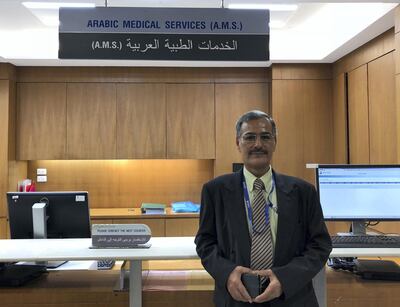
[
  {"x": 110, "y": 213},
  {"x": 162, "y": 248},
  {"x": 79, "y": 249}
]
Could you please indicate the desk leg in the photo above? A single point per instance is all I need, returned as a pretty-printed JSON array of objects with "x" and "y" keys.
[
  {"x": 135, "y": 283},
  {"x": 319, "y": 283}
]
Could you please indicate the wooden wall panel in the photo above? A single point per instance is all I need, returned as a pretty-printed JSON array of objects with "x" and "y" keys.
[
  {"x": 91, "y": 121},
  {"x": 101, "y": 221},
  {"x": 3, "y": 228},
  {"x": 340, "y": 144},
  {"x": 190, "y": 121},
  {"x": 42, "y": 121},
  {"x": 397, "y": 53},
  {"x": 375, "y": 48},
  {"x": 301, "y": 72},
  {"x": 287, "y": 110},
  {"x": 302, "y": 110},
  {"x": 382, "y": 111},
  {"x": 127, "y": 183},
  {"x": 318, "y": 126},
  {"x": 4, "y": 131},
  {"x": 157, "y": 226},
  {"x": 17, "y": 170},
  {"x": 397, "y": 80},
  {"x": 8, "y": 72},
  {"x": 180, "y": 227},
  {"x": 143, "y": 74},
  {"x": 231, "y": 101},
  {"x": 12, "y": 121},
  {"x": 141, "y": 121},
  {"x": 358, "y": 116}
]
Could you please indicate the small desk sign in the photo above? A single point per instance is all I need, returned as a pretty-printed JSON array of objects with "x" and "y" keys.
[{"x": 120, "y": 235}]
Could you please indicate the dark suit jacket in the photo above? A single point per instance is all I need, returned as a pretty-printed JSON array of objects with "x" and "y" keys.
[{"x": 302, "y": 242}]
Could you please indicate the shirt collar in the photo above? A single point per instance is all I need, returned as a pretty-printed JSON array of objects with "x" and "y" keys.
[{"x": 250, "y": 178}]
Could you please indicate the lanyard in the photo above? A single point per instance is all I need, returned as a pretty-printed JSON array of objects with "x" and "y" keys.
[{"x": 268, "y": 204}]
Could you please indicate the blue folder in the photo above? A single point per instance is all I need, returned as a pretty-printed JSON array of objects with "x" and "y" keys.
[{"x": 185, "y": 207}]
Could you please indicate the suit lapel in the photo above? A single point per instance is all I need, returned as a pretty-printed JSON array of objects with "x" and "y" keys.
[
  {"x": 287, "y": 216},
  {"x": 235, "y": 209}
]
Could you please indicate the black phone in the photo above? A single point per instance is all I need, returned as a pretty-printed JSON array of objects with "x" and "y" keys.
[{"x": 253, "y": 284}]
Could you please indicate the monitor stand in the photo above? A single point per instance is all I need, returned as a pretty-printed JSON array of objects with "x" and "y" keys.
[
  {"x": 357, "y": 229},
  {"x": 39, "y": 218}
]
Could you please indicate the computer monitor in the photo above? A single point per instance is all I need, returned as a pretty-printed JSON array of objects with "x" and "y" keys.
[
  {"x": 67, "y": 214},
  {"x": 359, "y": 193}
]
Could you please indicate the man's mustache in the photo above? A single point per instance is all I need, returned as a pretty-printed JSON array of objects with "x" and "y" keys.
[{"x": 258, "y": 152}]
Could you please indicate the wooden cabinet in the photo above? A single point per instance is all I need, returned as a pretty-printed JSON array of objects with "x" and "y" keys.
[
  {"x": 141, "y": 121},
  {"x": 91, "y": 121},
  {"x": 41, "y": 118},
  {"x": 231, "y": 101},
  {"x": 181, "y": 227},
  {"x": 101, "y": 221},
  {"x": 5, "y": 105},
  {"x": 302, "y": 110},
  {"x": 358, "y": 115},
  {"x": 169, "y": 224},
  {"x": 190, "y": 121},
  {"x": 382, "y": 111},
  {"x": 340, "y": 128},
  {"x": 109, "y": 121},
  {"x": 157, "y": 225},
  {"x": 372, "y": 112}
]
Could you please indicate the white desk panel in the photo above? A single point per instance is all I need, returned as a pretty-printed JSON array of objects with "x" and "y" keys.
[
  {"x": 365, "y": 252},
  {"x": 79, "y": 249},
  {"x": 162, "y": 248}
]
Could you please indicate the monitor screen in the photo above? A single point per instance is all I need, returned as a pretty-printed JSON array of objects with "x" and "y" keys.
[
  {"x": 67, "y": 212},
  {"x": 359, "y": 192}
]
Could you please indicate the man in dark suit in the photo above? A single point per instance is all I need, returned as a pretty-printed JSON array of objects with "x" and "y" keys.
[{"x": 258, "y": 221}]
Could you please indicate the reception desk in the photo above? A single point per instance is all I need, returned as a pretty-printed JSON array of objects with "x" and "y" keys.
[
  {"x": 79, "y": 249},
  {"x": 161, "y": 249}
]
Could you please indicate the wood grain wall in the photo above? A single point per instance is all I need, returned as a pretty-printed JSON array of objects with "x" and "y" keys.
[
  {"x": 302, "y": 109},
  {"x": 358, "y": 115},
  {"x": 340, "y": 122},
  {"x": 373, "y": 110},
  {"x": 397, "y": 74},
  {"x": 9, "y": 167},
  {"x": 4, "y": 114},
  {"x": 231, "y": 101},
  {"x": 126, "y": 183}
]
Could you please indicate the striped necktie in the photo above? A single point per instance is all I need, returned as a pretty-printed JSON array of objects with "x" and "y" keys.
[{"x": 261, "y": 239}]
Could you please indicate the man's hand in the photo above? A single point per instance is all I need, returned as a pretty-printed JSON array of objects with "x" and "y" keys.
[
  {"x": 235, "y": 285},
  {"x": 273, "y": 290}
]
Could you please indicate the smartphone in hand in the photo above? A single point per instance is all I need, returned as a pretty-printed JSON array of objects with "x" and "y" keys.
[{"x": 253, "y": 284}]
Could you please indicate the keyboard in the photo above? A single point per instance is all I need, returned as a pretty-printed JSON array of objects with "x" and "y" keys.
[
  {"x": 366, "y": 241},
  {"x": 105, "y": 264}
]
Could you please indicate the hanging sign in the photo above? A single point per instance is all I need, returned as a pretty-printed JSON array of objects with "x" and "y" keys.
[{"x": 164, "y": 34}]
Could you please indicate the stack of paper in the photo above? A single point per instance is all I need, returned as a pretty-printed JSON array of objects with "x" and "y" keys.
[{"x": 152, "y": 208}]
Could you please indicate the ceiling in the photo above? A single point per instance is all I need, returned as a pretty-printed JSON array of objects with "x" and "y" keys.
[{"x": 315, "y": 32}]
